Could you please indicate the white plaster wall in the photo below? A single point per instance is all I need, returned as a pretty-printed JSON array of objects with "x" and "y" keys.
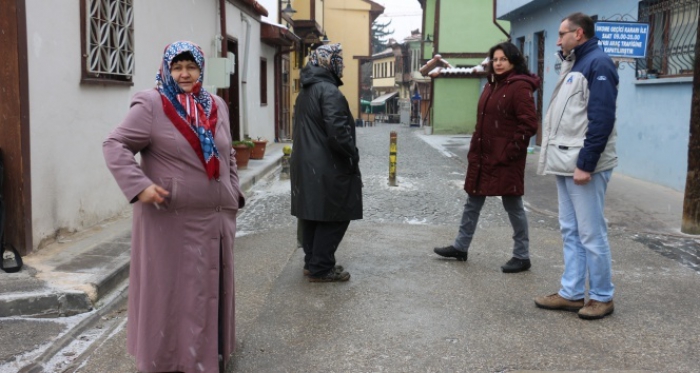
[
  {"x": 260, "y": 119},
  {"x": 652, "y": 119},
  {"x": 71, "y": 186},
  {"x": 267, "y": 113}
]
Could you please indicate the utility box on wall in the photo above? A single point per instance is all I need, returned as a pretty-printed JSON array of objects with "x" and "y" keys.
[{"x": 218, "y": 71}]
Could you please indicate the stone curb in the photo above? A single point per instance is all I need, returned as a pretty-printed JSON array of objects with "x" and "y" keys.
[{"x": 60, "y": 303}]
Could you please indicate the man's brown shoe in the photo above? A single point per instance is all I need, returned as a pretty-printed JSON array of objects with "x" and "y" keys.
[
  {"x": 556, "y": 302},
  {"x": 594, "y": 310}
]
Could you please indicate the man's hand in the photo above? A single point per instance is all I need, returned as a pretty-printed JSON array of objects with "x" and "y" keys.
[
  {"x": 581, "y": 177},
  {"x": 153, "y": 194}
]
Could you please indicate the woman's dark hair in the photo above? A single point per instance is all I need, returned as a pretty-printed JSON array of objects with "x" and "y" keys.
[
  {"x": 513, "y": 55},
  {"x": 184, "y": 56}
]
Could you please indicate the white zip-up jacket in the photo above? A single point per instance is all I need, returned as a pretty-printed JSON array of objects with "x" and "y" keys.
[{"x": 579, "y": 127}]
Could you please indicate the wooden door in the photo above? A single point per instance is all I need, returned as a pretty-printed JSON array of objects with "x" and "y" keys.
[
  {"x": 14, "y": 126},
  {"x": 540, "y": 72},
  {"x": 234, "y": 104},
  {"x": 285, "y": 126}
]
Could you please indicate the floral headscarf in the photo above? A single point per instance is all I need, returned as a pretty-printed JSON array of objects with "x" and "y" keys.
[
  {"x": 193, "y": 114},
  {"x": 329, "y": 56}
]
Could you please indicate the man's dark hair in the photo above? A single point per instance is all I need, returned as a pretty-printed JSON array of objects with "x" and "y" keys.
[
  {"x": 583, "y": 21},
  {"x": 184, "y": 56},
  {"x": 513, "y": 55}
]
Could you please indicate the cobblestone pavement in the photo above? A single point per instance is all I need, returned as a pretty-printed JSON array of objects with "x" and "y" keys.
[
  {"x": 429, "y": 188},
  {"x": 430, "y": 192}
]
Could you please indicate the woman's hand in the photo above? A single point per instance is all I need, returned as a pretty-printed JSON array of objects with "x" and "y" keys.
[{"x": 153, "y": 194}]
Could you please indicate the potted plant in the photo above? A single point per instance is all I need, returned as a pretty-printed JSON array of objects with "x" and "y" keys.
[
  {"x": 242, "y": 154},
  {"x": 258, "y": 151}
]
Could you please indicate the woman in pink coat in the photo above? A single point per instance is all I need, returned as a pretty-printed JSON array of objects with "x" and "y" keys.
[{"x": 185, "y": 196}]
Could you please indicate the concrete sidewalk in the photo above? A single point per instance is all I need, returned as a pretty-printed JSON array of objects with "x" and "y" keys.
[
  {"x": 404, "y": 309},
  {"x": 408, "y": 310},
  {"x": 631, "y": 205},
  {"x": 74, "y": 274}
]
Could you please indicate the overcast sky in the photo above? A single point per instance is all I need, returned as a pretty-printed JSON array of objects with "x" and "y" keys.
[{"x": 405, "y": 15}]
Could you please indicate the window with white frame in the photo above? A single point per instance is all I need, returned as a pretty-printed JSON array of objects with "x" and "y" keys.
[
  {"x": 673, "y": 28},
  {"x": 108, "y": 41}
]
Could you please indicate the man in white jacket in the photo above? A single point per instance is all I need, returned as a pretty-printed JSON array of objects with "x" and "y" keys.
[{"x": 578, "y": 146}]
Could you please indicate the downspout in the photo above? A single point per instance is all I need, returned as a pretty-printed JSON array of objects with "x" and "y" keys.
[
  {"x": 278, "y": 92},
  {"x": 495, "y": 22},
  {"x": 244, "y": 78},
  {"x": 224, "y": 45}
]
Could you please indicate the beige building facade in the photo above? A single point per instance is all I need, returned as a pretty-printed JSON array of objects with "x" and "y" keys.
[{"x": 348, "y": 22}]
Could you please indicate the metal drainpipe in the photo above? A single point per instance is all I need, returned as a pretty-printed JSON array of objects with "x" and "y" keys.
[
  {"x": 244, "y": 77},
  {"x": 222, "y": 24},
  {"x": 224, "y": 46},
  {"x": 495, "y": 22}
]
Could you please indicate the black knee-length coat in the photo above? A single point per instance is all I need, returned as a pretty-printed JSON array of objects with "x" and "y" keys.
[
  {"x": 506, "y": 119},
  {"x": 324, "y": 167}
]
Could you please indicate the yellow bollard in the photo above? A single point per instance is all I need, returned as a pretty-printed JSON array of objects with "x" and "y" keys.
[
  {"x": 392, "y": 158},
  {"x": 286, "y": 151}
]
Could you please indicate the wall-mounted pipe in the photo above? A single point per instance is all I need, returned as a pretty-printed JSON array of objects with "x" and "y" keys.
[
  {"x": 244, "y": 78},
  {"x": 495, "y": 22}
]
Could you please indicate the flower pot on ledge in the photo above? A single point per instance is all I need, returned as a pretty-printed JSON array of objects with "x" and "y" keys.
[
  {"x": 243, "y": 149},
  {"x": 258, "y": 151}
]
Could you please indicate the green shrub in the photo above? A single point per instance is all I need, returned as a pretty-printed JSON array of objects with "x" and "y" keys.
[{"x": 243, "y": 143}]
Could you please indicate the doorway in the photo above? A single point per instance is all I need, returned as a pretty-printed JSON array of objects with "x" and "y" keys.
[
  {"x": 540, "y": 92},
  {"x": 14, "y": 127},
  {"x": 283, "y": 122},
  {"x": 234, "y": 102}
]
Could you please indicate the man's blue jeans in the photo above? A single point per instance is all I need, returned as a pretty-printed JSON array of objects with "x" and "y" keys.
[{"x": 585, "y": 234}]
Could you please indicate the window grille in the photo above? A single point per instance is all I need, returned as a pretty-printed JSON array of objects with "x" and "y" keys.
[
  {"x": 110, "y": 39},
  {"x": 673, "y": 28}
]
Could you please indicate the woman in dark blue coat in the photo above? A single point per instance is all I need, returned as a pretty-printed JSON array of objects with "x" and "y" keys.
[{"x": 325, "y": 173}]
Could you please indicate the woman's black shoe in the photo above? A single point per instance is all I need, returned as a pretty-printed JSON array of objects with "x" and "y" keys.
[
  {"x": 516, "y": 265},
  {"x": 331, "y": 276},
  {"x": 451, "y": 252},
  {"x": 337, "y": 268}
]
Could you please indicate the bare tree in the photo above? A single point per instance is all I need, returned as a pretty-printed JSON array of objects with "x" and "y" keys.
[{"x": 379, "y": 33}]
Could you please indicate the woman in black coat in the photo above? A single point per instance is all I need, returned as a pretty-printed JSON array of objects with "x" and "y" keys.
[{"x": 325, "y": 173}]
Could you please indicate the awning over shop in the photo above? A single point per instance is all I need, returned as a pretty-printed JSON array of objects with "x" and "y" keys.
[
  {"x": 366, "y": 106},
  {"x": 381, "y": 100}
]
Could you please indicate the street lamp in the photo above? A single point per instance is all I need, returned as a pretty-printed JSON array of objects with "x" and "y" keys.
[{"x": 288, "y": 9}]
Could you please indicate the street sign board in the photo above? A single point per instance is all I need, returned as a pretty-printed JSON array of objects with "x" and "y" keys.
[{"x": 623, "y": 39}]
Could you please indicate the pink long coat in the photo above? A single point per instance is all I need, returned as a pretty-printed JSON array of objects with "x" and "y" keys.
[{"x": 181, "y": 254}]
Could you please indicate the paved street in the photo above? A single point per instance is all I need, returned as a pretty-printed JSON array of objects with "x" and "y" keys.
[{"x": 407, "y": 310}]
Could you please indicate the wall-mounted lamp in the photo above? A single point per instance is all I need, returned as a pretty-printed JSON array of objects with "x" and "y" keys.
[
  {"x": 325, "y": 39},
  {"x": 288, "y": 9},
  {"x": 427, "y": 39}
]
